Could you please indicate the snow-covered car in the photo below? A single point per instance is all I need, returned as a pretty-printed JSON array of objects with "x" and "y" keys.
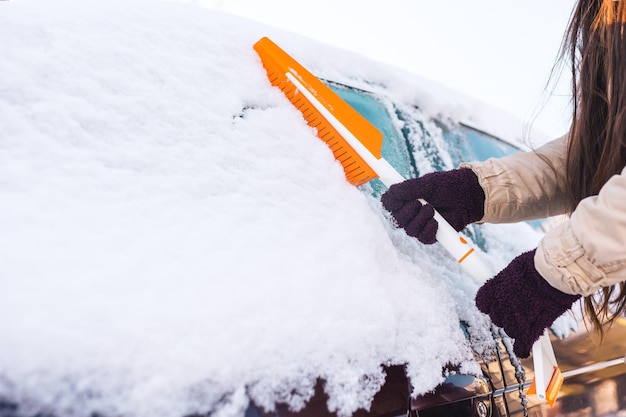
[{"x": 175, "y": 240}]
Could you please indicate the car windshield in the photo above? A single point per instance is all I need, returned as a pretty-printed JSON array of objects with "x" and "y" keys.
[
  {"x": 404, "y": 132},
  {"x": 469, "y": 144}
]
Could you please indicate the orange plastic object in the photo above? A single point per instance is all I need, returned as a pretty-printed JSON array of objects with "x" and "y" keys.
[
  {"x": 552, "y": 390},
  {"x": 278, "y": 64}
]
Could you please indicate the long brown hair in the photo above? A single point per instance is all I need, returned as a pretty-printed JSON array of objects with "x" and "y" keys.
[{"x": 595, "y": 43}]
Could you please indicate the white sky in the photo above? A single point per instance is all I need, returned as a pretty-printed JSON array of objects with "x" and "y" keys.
[{"x": 499, "y": 51}]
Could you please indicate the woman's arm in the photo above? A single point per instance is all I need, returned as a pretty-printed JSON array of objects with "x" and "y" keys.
[
  {"x": 588, "y": 251},
  {"x": 524, "y": 186}
]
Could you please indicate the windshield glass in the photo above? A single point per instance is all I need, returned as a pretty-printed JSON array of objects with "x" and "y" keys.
[
  {"x": 394, "y": 148},
  {"x": 469, "y": 144}
]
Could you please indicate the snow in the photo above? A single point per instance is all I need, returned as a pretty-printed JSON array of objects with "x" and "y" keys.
[{"x": 175, "y": 239}]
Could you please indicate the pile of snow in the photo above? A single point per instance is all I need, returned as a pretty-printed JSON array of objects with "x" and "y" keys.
[{"x": 175, "y": 239}]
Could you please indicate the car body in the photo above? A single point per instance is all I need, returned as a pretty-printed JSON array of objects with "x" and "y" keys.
[{"x": 594, "y": 373}]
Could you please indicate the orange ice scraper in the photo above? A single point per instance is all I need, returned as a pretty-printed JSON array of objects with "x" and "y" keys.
[
  {"x": 355, "y": 143},
  {"x": 548, "y": 377}
]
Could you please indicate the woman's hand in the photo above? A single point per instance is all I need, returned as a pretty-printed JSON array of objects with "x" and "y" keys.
[
  {"x": 521, "y": 301},
  {"x": 455, "y": 194}
]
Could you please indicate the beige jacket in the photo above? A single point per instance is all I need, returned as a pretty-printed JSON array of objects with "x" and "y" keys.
[{"x": 582, "y": 254}]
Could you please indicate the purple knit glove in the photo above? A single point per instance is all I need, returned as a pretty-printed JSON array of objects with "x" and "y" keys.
[
  {"x": 521, "y": 301},
  {"x": 455, "y": 194}
]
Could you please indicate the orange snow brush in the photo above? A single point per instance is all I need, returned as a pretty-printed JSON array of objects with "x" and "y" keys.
[
  {"x": 357, "y": 144},
  {"x": 316, "y": 102}
]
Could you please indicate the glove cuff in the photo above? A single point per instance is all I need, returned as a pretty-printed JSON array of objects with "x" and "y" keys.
[
  {"x": 548, "y": 292},
  {"x": 472, "y": 193}
]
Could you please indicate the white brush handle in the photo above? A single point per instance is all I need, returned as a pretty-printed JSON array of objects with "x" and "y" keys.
[
  {"x": 544, "y": 359},
  {"x": 543, "y": 354}
]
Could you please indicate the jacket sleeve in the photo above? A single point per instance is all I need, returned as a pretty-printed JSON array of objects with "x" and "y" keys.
[
  {"x": 524, "y": 186},
  {"x": 588, "y": 251}
]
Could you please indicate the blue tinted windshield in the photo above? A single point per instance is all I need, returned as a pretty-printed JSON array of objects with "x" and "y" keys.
[
  {"x": 468, "y": 144},
  {"x": 394, "y": 148}
]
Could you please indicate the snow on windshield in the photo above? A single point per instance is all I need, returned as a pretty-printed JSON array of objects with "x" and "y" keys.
[{"x": 175, "y": 239}]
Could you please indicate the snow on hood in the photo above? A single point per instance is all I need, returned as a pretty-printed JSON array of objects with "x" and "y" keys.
[{"x": 175, "y": 239}]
